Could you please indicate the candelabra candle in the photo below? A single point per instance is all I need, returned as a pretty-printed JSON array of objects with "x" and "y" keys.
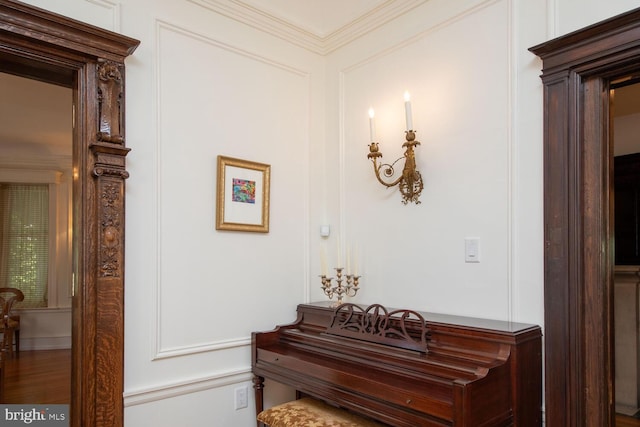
[{"x": 348, "y": 289}]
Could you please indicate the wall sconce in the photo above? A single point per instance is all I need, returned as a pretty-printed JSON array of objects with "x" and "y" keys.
[{"x": 410, "y": 181}]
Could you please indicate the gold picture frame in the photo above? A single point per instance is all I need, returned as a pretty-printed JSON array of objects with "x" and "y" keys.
[{"x": 242, "y": 195}]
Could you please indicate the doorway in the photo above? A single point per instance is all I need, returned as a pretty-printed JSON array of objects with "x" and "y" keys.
[
  {"x": 625, "y": 128},
  {"x": 44, "y": 46},
  {"x": 578, "y": 69},
  {"x": 36, "y": 141}
]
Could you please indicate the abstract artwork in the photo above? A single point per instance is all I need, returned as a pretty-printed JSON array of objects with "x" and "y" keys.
[{"x": 244, "y": 191}]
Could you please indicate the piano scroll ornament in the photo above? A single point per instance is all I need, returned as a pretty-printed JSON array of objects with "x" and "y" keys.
[{"x": 399, "y": 328}]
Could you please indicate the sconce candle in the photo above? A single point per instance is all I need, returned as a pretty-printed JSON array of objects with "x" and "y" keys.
[
  {"x": 407, "y": 110},
  {"x": 372, "y": 125},
  {"x": 323, "y": 261},
  {"x": 356, "y": 255}
]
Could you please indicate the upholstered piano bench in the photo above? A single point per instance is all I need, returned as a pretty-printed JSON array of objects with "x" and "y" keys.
[{"x": 309, "y": 412}]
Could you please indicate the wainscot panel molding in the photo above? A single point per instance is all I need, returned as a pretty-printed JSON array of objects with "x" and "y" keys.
[
  {"x": 202, "y": 348},
  {"x": 166, "y": 26},
  {"x": 316, "y": 43},
  {"x": 504, "y": 8},
  {"x": 111, "y": 7},
  {"x": 437, "y": 26},
  {"x": 162, "y": 350},
  {"x": 152, "y": 394},
  {"x": 101, "y": 13}
]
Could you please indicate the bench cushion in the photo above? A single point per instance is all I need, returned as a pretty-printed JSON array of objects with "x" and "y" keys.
[{"x": 308, "y": 412}]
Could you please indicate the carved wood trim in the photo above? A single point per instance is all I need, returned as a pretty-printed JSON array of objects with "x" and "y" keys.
[
  {"x": 577, "y": 70},
  {"x": 111, "y": 248},
  {"x": 38, "y": 44},
  {"x": 110, "y": 105}
]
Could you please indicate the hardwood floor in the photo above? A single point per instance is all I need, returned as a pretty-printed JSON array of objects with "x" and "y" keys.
[
  {"x": 38, "y": 377},
  {"x": 623, "y": 421}
]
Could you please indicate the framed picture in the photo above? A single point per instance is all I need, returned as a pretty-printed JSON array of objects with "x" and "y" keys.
[{"x": 242, "y": 195}]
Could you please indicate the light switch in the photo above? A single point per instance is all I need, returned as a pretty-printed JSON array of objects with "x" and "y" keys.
[{"x": 472, "y": 249}]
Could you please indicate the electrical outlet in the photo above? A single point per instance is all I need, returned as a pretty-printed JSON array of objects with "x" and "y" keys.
[{"x": 241, "y": 397}]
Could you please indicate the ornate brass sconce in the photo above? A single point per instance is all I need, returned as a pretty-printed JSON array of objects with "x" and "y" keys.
[{"x": 410, "y": 181}]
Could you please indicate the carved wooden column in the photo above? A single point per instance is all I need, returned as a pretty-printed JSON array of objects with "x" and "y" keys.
[{"x": 109, "y": 173}]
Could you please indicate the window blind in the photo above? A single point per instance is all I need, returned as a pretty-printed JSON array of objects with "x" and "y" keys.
[{"x": 24, "y": 241}]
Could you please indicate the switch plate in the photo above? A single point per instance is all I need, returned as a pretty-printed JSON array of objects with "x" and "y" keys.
[
  {"x": 472, "y": 249},
  {"x": 241, "y": 397}
]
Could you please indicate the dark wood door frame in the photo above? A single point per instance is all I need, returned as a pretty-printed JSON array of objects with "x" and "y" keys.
[
  {"x": 37, "y": 44},
  {"x": 578, "y": 217}
]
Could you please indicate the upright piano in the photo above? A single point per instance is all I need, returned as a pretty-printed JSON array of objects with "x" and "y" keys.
[{"x": 406, "y": 368}]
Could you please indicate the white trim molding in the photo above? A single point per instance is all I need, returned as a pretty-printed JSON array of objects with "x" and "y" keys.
[
  {"x": 286, "y": 30},
  {"x": 152, "y": 394}
]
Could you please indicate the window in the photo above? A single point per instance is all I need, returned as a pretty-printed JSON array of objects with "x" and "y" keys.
[{"x": 24, "y": 241}]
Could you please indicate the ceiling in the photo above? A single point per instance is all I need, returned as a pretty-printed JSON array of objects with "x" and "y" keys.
[{"x": 320, "y": 17}]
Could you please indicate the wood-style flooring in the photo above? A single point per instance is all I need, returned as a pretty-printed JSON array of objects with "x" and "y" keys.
[
  {"x": 38, "y": 377},
  {"x": 44, "y": 376},
  {"x": 622, "y": 421}
]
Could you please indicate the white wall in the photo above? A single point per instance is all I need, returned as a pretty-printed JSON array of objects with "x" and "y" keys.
[
  {"x": 201, "y": 84},
  {"x": 626, "y": 134},
  {"x": 466, "y": 100}
]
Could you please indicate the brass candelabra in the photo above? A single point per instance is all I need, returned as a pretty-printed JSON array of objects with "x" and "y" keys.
[
  {"x": 410, "y": 181},
  {"x": 348, "y": 289}
]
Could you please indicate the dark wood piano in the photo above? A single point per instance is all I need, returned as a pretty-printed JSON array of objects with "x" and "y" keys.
[{"x": 406, "y": 368}]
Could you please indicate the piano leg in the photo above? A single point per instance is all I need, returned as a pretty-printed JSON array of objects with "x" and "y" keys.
[{"x": 258, "y": 386}]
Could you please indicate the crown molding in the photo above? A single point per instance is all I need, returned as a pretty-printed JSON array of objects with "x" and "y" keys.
[
  {"x": 286, "y": 30},
  {"x": 52, "y": 162}
]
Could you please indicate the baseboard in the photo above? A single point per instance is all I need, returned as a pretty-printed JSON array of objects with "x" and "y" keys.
[
  {"x": 630, "y": 411},
  {"x": 45, "y": 343}
]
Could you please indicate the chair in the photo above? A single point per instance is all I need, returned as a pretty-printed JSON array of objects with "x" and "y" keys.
[
  {"x": 2, "y": 374},
  {"x": 9, "y": 322}
]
